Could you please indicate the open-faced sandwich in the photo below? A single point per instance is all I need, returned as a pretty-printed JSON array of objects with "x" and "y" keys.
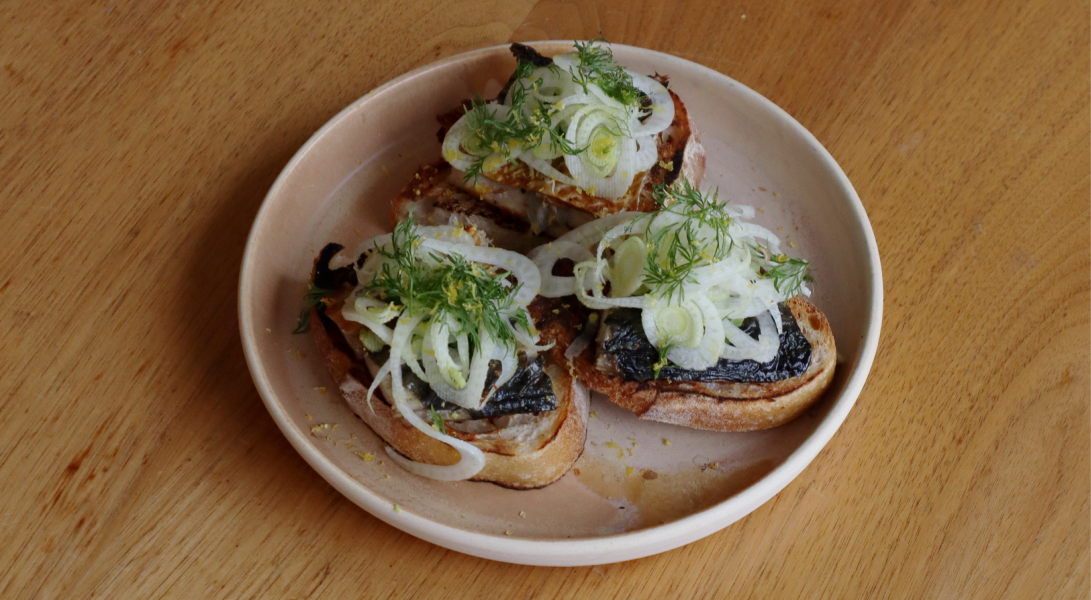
[
  {"x": 429, "y": 339},
  {"x": 571, "y": 138},
  {"x": 692, "y": 316}
]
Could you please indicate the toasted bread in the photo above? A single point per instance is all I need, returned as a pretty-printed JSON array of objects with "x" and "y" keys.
[
  {"x": 528, "y": 452},
  {"x": 718, "y": 406},
  {"x": 679, "y": 154},
  {"x": 522, "y": 451}
]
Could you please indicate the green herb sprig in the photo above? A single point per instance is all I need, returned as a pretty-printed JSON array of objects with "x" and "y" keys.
[
  {"x": 472, "y": 296},
  {"x": 788, "y": 274},
  {"x": 437, "y": 421},
  {"x": 311, "y": 298},
  {"x": 678, "y": 249},
  {"x": 597, "y": 66},
  {"x": 530, "y": 123},
  {"x": 663, "y": 360},
  {"x": 502, "y": 136}
]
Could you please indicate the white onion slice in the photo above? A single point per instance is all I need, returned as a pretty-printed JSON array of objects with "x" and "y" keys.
[
  {"x": 518, "y": 265},
  {"x": 452, "y": 145},
  {"x": 379, "y": 329},
  {"x": 438, "y": 338},
  {"x": 662, "y": 105},
  {"x": 376, "y": 382},
  {"x": 545, "y": 257},
  {"x": 547, "y": 169},
  {"x": 463, "y": 344},
  {"x": 588, "y": 175},
  {"x": 592, "y": 231},
  {"x": 707, "y": 353},
  {"x": 509, "y": 362},
  {"x": 744, "y": 347},
  {"x": 471, "y": 459},
  {"x": 646, "y": 155},
  {"x": 588, "y": 275},
  {"x": 567, "y": 61},
  {"x": 469, "y": 396}
]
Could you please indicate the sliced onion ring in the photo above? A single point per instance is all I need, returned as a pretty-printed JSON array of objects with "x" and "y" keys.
[{"x": 471, "y": 458}]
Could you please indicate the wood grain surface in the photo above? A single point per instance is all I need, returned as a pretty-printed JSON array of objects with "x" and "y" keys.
[{"x": 137, "y": 140}]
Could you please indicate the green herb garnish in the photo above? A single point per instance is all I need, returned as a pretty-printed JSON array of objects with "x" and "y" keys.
[
  {"x": 437, "y": 421},
  {"x": 474, "y": 297},
  {"x": 530, "y": 122},
  {"x": 492, "y": 136},
  {"x": 663, "y": 361},
  {"x": 597, "y": 66},
  {"x": 677, "y": 249},
  {"x": 701, "y": 238},
  {"x": 788, "y": 274},
  {"x": 311, "y": 298}
]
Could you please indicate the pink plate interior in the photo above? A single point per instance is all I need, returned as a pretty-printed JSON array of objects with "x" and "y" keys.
[{"x": 640, "y": 487}]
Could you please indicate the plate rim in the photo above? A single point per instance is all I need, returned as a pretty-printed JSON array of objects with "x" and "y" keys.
[{"x": 602, "y": 549}]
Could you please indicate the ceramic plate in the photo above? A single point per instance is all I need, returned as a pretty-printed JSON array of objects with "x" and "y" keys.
[{"x": 640, "y": 488}]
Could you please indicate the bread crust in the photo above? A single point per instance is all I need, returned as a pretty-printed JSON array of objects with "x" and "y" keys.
[
  {"x": 556, "y": 437},
  {"x": 723, "y": 406}
]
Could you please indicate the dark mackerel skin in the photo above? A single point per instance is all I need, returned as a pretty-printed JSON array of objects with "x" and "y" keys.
[
  {"x": 332, "y": 279},
  {"x": 528, "y": 391},
  {"x": 635, "y": 356}
]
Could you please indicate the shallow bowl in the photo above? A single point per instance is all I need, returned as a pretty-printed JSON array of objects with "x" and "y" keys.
[{"x": 640, "y": 488}]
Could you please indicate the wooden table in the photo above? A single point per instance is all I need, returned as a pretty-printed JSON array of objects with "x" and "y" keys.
[{"x": 137, "y": 141}]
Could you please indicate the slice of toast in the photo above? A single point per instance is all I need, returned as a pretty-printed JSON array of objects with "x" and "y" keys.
[
  {"x": 522, "y": 451},
  {"x": 680, "y": 155},
  {"x": 718, "y": 406}
]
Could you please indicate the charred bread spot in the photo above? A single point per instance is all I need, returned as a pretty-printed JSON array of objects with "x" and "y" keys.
[
  {"x": 332, "y": 279},
  {"x": 676, "y": 166},
  {"x": 522, "y": 54},
  {"x": 562, "y": 317},
  {"x": 526, "y": 54}
]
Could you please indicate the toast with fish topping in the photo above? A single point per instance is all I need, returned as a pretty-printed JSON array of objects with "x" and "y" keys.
[
  {"x": 522, "y": 426},
  {"x": 576, "y": 132},
  {"x": 688, "y": 314}
]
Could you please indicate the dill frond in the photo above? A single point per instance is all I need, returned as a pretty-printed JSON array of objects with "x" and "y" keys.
[
  {"x": 597, "y": 66},
  {"x": 701, "y": 238},
  {"x": 311, "y": 298},
  {"x": 788, "y": 274},
  {"x": 678, "y": 249},
  {"x": 467, "y": 293}
]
